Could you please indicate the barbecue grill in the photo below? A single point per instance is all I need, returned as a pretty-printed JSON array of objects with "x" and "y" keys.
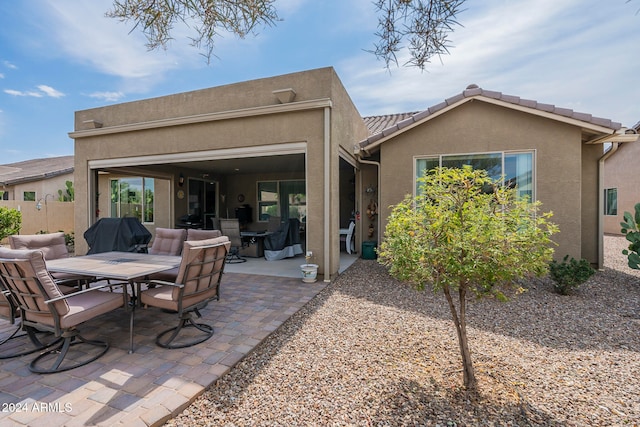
[{"x": 117, "y": 234}]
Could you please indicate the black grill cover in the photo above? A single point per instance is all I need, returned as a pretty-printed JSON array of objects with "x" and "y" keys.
[{"x": 117, "y": 234}]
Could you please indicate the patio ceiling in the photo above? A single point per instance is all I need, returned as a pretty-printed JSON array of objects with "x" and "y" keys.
[{"x": 291, "y": 162}]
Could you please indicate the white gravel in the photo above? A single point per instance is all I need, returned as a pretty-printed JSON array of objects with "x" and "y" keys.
[{"x": 371, "y": 351}]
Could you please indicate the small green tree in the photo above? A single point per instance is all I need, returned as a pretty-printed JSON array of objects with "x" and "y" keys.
[
  {"x": 10, "y": 222},
  {"x": 631, "y": 230},
  {"x": 467, "y": 234},
  {"x": 68, "y": 194}
]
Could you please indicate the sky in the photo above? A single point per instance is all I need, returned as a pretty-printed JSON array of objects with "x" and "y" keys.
[{"x": 61, "y": 56}]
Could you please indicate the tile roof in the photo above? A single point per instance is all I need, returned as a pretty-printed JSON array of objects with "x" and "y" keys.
[
  {"x": 34, "y": 170},
  {"x": 383, "y": 126},
  {"x": 376, "y": 124}
]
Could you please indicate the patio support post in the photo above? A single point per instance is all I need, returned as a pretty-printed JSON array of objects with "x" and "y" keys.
[{"x": 327, "y": 196}]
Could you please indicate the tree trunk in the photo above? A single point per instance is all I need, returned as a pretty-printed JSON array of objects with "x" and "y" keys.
[{"x": 460, "y": 320}]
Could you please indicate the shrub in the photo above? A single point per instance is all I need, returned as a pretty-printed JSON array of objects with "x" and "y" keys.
[
  {"x": 569, "y": 275},
  {"x": 632, "y": 234},
  {"x": 10, "y": 222}
]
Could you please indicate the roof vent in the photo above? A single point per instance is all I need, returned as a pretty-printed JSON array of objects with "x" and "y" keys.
[
  {"x": 473, "y": 86},
  {"x": 285, "y": 95}
]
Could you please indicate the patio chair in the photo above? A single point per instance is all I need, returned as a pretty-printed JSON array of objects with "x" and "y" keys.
[
  {"x": 10, "y": 311},
  {"x": 168, "y": 241},
  {"x": 43, "y": 306},
  {"x": 53, "y": 246},
  {"x": 197, "y": 283},
  {"x": 192, "y": 235},
  {"x": 231, "y": 229},
  {"x": 346, "y": 236}
]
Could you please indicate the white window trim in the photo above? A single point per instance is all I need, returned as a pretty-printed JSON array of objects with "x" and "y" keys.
[{"x": 534, "y": 164}]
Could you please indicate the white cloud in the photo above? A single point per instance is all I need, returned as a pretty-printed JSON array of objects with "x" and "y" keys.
[
  {"x": 107, "y": 96},
  {"x": 33, "y": 94},
  {"x": 9, "y": 65},
  {"x": 43, "y": 90},
  {"x": 49, "y": 91},
  {"x": 563, "y": 53},
  {"x": 107, "y": 45}
]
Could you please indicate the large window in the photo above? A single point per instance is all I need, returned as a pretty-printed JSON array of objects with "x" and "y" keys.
[
  {"x": 611, "y": 201},
  {"x": 286, "y": 199},
  {"x": 133, "y": 197},
  {"x": 515, "y": 168}
]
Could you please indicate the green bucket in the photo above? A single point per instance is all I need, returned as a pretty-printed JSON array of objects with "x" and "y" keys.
[{"x": 369, "y": 250}]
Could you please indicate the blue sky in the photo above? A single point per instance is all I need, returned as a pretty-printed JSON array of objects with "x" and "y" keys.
[{"x": 60, "y": 56}]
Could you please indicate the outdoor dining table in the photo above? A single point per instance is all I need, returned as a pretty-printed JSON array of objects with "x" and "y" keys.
[{"x": 123, "y": 266}]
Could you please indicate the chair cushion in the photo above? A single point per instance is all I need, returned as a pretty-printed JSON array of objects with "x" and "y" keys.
[
  {"x": 53, "y": 245},
  {"x": 88, "y": 305},
  {"x": 166, "y": 276},
  {"x": 37, "y": 268},
  {"x": 167, "y": 296},
  {"x": 162, "y": 297},
  {"x": 168, "y": 241},
  {"x": 191, "y": 285}
]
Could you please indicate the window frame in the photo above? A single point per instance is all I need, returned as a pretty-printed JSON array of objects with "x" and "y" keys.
[
  {"x": 503, "y": 154},
  {"x": 145, "y": 217},
  {"x": 278, "y": 203},
  {"x": 607, "y": 210}
]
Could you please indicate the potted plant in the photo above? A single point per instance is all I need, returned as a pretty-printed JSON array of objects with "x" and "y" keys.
[{"x": 309, "y": 271}]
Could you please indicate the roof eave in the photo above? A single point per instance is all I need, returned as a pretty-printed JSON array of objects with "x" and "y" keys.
[{"x": 606, "y": 131}]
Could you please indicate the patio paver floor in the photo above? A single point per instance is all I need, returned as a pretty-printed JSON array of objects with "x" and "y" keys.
[{"x": 153, "y": 384}]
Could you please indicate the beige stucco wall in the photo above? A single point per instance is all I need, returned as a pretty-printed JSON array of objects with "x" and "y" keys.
[
  {"x": 52, "y": 216},
  {"x": 620, "y": 171},
  {"x": 240, "y": 130},
  {"x": 563, "y": 184}
]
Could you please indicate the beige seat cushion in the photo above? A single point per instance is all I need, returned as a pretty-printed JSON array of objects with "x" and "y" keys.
[
  {"x": 37, "y": 268},
  {"x": 86, "y": 306},
  {"x": 167, "y": 296},
  {"x": 53, "y": 245},
  {"x": 168, "y": 241}
]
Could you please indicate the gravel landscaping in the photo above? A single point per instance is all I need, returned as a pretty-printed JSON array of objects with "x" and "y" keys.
[{"x": 370, "y": 351}]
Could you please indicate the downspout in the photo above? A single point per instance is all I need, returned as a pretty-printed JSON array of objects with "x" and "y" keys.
[
  {"x": 377, "y": 165},
  {"x": 607, "y": 154},
  {"x": 327, "y": 194}
]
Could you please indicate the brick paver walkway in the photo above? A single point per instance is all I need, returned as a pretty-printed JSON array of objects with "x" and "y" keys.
[{"x": 153, "y": 384}]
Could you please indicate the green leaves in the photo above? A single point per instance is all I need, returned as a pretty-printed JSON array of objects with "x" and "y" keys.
[
  {"x": 10, "y": 222},
  {"x": 466, "y": 230},
  {"x": 630, "y": 227},
  {"x": 568, "y": 275}
]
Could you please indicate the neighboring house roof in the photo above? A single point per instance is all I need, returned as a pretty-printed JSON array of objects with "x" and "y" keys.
[
  {"x": 35, "y": 170},
  {"x": 383, "y": 128}
]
